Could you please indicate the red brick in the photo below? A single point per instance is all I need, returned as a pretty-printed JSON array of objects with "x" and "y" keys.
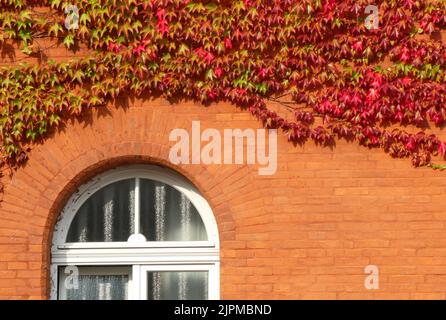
[{"x": 306, "y": 232}]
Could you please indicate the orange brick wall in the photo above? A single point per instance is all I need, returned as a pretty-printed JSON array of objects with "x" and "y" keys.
[{"x": 306, "y": 232}]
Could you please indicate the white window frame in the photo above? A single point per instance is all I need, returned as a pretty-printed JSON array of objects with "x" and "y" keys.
[
  {"x": 213, "y": 287},
  {"x": 137, "y": 253}
]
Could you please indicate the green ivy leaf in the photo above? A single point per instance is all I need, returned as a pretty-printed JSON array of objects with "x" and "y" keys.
[{"x": 68, "y": 41}]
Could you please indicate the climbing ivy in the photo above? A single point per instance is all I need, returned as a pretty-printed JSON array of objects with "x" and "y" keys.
[{"x": 335, "y": 77}]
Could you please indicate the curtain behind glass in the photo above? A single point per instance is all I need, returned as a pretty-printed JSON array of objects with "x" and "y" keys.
[
  {"x": 94, "y": 286},
  {"x": 174, "y": 285},
  {"x": 108, "y": 215},
  {"x": 168, "y": 215}
]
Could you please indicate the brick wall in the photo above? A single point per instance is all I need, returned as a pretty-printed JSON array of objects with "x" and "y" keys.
[{"x": 306, "y": 232}]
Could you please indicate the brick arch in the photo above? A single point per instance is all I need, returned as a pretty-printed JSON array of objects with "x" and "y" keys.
[
  {"x": 72, "y": 157},
  {"x": 222, "y": 212}
]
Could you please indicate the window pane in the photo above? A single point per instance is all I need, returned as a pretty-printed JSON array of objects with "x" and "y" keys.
[
  {"x": 168, "y": 215},
  {"x": 168, "y": 285},
  {"x": 99, "y": 283},
  {"x": 108, "y": 215}
]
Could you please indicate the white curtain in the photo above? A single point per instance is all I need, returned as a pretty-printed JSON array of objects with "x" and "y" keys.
[
  {"x": 97, "y": 287},
  {"x": 177, "y": 285},
  {"x": 109, "y": 215},
  {"x": 168, "y": 215}
]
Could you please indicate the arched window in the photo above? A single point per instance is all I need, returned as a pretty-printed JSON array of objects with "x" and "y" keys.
[{"x": 137, "y": 232}]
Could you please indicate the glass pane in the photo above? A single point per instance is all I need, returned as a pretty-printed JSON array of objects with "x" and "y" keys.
[
  {"x": 168, "y": 215},
  {"x": 108, "y": 215},
  {"x": 184, "y": 285},
  {"x": 102, "y": 283}
]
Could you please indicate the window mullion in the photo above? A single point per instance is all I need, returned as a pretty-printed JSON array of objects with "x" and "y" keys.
[{"x": 136, "y": 282}]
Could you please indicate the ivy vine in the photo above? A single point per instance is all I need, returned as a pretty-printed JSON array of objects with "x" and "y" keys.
[{"x": 316, "y": 59}]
